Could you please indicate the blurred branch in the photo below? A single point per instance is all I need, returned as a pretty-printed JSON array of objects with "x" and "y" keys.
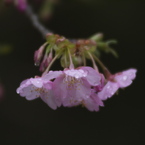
[{"x": 33, "y": 17}]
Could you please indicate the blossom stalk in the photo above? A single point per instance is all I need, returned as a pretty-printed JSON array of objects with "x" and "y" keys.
[{"x": 53, "y": 60}]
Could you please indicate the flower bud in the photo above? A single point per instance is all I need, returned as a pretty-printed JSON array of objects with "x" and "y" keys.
[
  {"x": 38, "y": 54},
  {"x": 21, "y": 4},
  {"x": 46, "y": 61}
]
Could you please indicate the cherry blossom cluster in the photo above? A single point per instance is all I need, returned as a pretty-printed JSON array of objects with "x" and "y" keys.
[
  {"x": 20, "y": 4},
  {"x": 77, "y": 84}
]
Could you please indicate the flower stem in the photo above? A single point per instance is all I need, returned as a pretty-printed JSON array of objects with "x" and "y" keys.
[
  {"x": 84, "y": 59},
  {"x": 71, "y": 66},
  {"x": 93, "y": 61},
  {"x": 34, "y": 19},
  {"x": 65, "y": 59},
  {"x": 104, "y": 68},
  {"x": 47, "y": 69}
]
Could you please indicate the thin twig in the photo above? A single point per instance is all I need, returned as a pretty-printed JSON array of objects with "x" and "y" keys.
[{"x": 33, "y": 17}]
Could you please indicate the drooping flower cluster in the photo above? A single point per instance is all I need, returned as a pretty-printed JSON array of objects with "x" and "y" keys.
[{"x": 76, "y": 84}]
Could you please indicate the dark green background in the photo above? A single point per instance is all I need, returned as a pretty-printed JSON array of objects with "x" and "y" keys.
[{"x": 120, "y": 122}]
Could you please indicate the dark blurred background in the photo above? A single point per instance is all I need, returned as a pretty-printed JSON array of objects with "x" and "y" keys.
[{"x": 120, "y": 122}]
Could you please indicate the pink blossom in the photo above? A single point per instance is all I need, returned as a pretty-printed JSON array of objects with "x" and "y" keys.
[
  {"x": 109, "y": 90},
  {"x": 101, "y": 85},
  {"x": 119, "y": 80},
  {"x": 73, "y": 86},
  {"x": 93, "y": 102},
  {"x": 21, "y": 4},
  {"x": 36, "y": 87},
  {"x": 125, "y": 78}
]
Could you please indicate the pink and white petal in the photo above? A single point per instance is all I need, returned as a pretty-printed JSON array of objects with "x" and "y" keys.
[
  {"x": 90, "y": 104},
  {"x": 32, "y": 96},
  {"x": 93, "y": 102},
  {"x": 60, "y": 89},
  {"x": 108, "y": 91},
  {"x": 76, "y": 93},
  {"x": 131, "y": 73},
  {"x": 83, "y": 90},
  {"x": 48, "y": 85},
  {"x": 70, "y": 102},
  {"x": 51, "y": 75},
  {"x": 49, "y": 99},
  {"x": 96, "y": 99},
  {"x": 101, "y": 85},
  {"x": 37, "y": 82},
  {"x": 30, "y": 92},
  {"x": 125, "y": 78},
  {"x": 23, "y": 84},
  {"x": 93, "y": 77}
]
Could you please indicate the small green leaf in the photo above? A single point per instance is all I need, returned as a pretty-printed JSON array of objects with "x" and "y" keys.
[{"x": 97, "y": 37}]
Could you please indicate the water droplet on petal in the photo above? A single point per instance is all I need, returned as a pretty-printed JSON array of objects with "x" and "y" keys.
[
  {"x": 108, "y": 87},
  {"x": 87, "y": 96},
  {"x": 76, "y": 76},
  {"x": 124, "y": 78},
  {"x": 36, "y": 63},
  {"x": 37, "y": 82},
  {"x": 95, "y": 83}
]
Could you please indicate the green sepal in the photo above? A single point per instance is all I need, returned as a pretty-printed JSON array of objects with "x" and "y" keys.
[
  {"x": 77, "y": 61},
  {"x": 97, "y": 37},
  {"x": 48, "y": 48},
  {"x": 65, "y": 60},
  {"x": 104, "y": 46}
]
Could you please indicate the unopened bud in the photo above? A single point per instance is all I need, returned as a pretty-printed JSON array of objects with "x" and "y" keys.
[{"x": 38, "y": 54}]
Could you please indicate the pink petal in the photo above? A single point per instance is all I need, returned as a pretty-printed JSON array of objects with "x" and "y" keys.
[
  {"x": 21, "y": 4},
  {"x": 108, "y": 91},
  {"x": 49, "y": 99},
  {"x": 101, "y": 85},
  {"x": 33, "y": 88},
  {"x": 125, "y": 78},
  {"x": 30, "y": 92},
  {"x": 93, "y": 102},
  {"x": 91, "y": 105},
  {"x": 47, "y": 85},
  {"x": 96, "y": 99},
  {"x": 71, "y": 92},
  {"x": 83, "y": 89},
  {"x": 76, "y": 93},
  {"x": 37, "y": 82},
  {"x": 51, "y": 75},
  {"x": 93, "y": 77},
  {"x": 59, "y": 88},
  {"x": 70, "y": 102},
  {"x": 23, "y": 84},
  {"x": 75, "y": 73}
]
